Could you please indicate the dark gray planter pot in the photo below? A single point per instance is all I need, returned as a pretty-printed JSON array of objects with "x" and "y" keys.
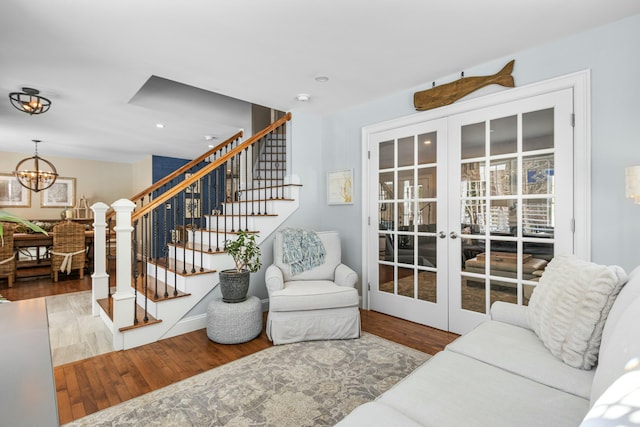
[{"x": 234, "y": 286}]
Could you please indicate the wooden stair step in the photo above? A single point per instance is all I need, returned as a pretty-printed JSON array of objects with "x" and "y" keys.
[
  {"x": 151, "y": 290},
  {"x": 181, "y": 267},
  {"x": 199, "y": 247},
  {"x": 106, "y": 304}
]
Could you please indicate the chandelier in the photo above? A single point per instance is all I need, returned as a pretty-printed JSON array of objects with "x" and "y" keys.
[
  {"x": 36, "y": 173},
  {"x": 29, "y": 101}
]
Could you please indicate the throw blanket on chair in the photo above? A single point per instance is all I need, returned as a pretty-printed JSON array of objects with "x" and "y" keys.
[{"x": 301, "y": 249}]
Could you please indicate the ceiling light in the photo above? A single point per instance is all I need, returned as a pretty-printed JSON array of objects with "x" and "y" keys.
[
  {"x": 28, "y": 101},
  {"x": 322, "y": 79},
  {"x": 36, "y": 173},
  {"x": 210, "y": 137},
  {"x": 427, "y": 141},
  {"x": 304, "y": 97},
  {"x": 210, "y": 145},
  {"x": 159, "y": 125}
]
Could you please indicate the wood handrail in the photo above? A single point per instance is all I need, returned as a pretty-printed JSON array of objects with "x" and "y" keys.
[
  {"x": 207, "y": 169},
  {"x": 185, "y": 168}
]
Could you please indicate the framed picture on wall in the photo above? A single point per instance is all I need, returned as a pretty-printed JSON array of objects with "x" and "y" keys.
[
  {"x": 61, "y": 194},
  {"x": 12, "y": 194},
  {"x": 193, "y": 188},
  {"x": 340, "y": 187},
  {"x": 192, "y": 208}
]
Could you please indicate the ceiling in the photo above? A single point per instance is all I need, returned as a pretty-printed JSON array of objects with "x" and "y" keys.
[{"x": 113, "y": 69}]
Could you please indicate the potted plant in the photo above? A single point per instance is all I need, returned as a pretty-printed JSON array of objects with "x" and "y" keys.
[{"x": 234, "y": 283}]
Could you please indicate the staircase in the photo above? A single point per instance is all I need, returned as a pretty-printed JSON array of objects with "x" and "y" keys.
[{"x": 180, "y": 248}]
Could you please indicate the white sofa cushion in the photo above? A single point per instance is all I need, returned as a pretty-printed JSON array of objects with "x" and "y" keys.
[
  {"x": 569, "y": 306},
  {"x": 312, "y": 295},
  {"x": 376, "y": 414},
  {"x": 455, "y": 390},
  {"x": 520, "y": 351},
  {"x": 620, "y": 352}
]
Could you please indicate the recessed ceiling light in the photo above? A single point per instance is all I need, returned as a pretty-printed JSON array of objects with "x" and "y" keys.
[
  {"x": 210, "y": 137},
  {"x": 427, "y": 141},
  {"x": 159, "y": 125},
  {"x": 304, "y": 97},
  {"x": 322, "y": 79},
  {"x": 210, "y": 145}
]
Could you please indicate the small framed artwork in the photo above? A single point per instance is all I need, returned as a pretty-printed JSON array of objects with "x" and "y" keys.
[
  {"x": 192, "y": 208},
  {"x": 61, "y": 194},
  {"x": 193, "y": 188},
  {"x": 12, "y": 194},
  {"x": 340, "y": 187}
]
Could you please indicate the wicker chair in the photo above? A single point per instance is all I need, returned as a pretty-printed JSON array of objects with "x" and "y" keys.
[
  {"x": 7, "y": 254},
  {"x": 69, "y": 249}
]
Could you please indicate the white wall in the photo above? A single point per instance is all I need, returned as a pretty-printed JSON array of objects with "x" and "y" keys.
[
  {"x": 610, "y": 52},
  {"x": 97, "y": 181}
]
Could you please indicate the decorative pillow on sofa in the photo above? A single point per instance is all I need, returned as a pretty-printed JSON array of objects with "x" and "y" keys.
[{"x": 569, "y": 306}]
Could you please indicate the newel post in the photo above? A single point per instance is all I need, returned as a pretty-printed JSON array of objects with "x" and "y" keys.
[
  {"x": 100, "y": 277},
  {"x": 123, "y": 298}
]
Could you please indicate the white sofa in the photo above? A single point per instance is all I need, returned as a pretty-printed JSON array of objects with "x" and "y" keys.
[
  {"x": 321, "y": 303},
  {"x": 501, "y": 374}
]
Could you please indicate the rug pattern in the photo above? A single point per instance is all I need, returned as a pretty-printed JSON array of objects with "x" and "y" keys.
[{"x": 303, "y": 384}]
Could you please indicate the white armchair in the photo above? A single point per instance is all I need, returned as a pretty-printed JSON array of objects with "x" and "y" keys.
[{"x": 317, "y": 304}]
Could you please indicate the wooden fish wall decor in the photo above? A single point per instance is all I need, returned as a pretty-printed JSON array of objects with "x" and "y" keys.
[{"x": 449, "y": 93}]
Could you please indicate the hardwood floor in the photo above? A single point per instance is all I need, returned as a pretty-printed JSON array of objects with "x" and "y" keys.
[{"x": 89, "y": 385}]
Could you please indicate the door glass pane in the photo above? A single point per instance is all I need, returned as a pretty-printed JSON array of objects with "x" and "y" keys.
[
  {"x": 427, "y": 182},
  {"x": 470, "y": 249},
  {"x": 406, "y": 252},
  {"x": 426, "y": 220},
  {"x": 503, "y": 291},
  {"x": 385, "y": 278},
  {"x": 385, "y": 216},
  {"x": 537, "y": 174},
  {"x": 427, "y": 290},
  {"x": 406, "y": 151},
  {"x": 503, "y": 177},
  {"x": 537, "y": 130},
  {"x": 474, "y": 294},
  {"x": 543, "y": 251},
  {"x": 406, "y": 279},
  {"x": 385, "y": 247},
  {"x": 537, "y": 217},
  {"x": 473, "y": 140},
  {"x": 427, "y": 146},
  {"x": 504, "y": 135},
  {"x": 504, "y": 217},
  {"x": 385, "y": 154},
  {"x": 427, "y": 255},
  {"x": 405, "y": 184},
  {"x": 473, "y": 215},
  {"x": 472, "y": 178},
  {"x": 386, "y": 186}
]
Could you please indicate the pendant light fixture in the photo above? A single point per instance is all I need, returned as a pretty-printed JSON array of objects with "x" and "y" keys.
[
  {"x": 36, "y": 173},
  {"x": 29, "y": 101}
]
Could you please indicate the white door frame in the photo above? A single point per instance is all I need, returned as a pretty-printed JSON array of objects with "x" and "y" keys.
[{"x": 579, "y": 82}]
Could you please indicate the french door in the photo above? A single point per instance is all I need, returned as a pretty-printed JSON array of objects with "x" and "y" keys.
[
  {"x": 410, "y": 259},
  {"x": 469, "y": 209}
]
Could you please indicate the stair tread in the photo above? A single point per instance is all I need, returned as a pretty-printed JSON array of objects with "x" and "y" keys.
[
  {"x": 106, "y": 304},
  {"x": 235, "y": 215},
  {"x": 184, "y": 269},
  {"x": 258, "y": 200},
  {"x": 172, "y": 293},
  {"x": 199, "y": 247}
]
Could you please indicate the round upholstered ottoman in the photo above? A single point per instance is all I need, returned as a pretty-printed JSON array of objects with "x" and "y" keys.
[{"x": 233, "y": 323}]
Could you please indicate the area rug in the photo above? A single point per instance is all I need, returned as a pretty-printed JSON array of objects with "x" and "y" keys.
[{"x": 303, "y": 384}]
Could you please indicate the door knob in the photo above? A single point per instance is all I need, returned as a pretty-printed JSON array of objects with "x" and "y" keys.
[
  {"x": 453, "y": 235},
  {"x": 442, "y": 234}
]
